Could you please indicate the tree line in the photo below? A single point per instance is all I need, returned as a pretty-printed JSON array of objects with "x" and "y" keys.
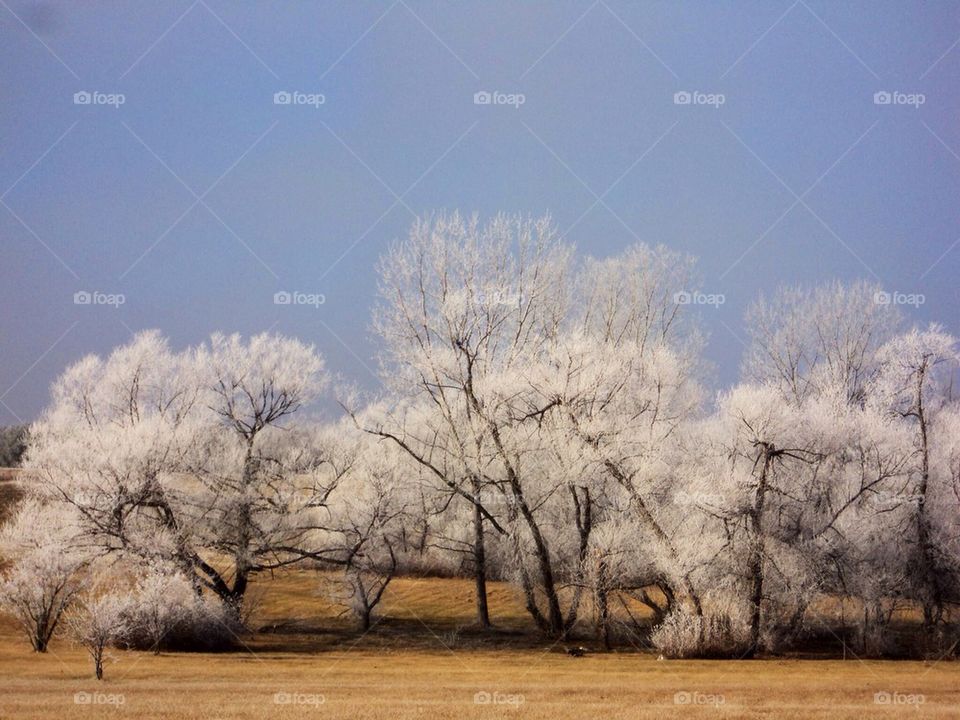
[{"x": 544, "y": 419}]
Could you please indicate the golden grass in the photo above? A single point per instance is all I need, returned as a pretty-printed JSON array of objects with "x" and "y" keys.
[{"x": 414, "y": 664}]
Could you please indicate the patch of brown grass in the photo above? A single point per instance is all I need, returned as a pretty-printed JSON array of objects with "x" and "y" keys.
[
  {"x": 404, "y": 683},
  {"x": 423, "y": 661}
]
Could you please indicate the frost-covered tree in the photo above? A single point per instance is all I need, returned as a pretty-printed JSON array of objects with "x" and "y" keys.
[
  {"x": 942, "y": 504},
  {"x": 46, "y": 571},
  {"x": 117, "y": 435},
  {"x": 177, "y": 456},
  {"x": 261, "y": 489},
  {"x": 769, "y": 449},
  {"x": 806, "y": 341},
  {"x": 914, "y": 367},
  {"x": 464, "y": 306},
  {"x": 553, "y": 385},
  {"x": 367, "y": 525},
  {"x": 99, "y": 622},
  {"x": 543, "y": 422},
  {"x": 621, "y": 379}
]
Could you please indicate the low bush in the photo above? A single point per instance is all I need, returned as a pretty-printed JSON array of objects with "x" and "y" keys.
[
  {"x": 684, "y": 635},
  {"x": 166, "y": 612}
]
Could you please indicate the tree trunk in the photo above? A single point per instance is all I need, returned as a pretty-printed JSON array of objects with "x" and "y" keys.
[
  {"x": 479, "y": 561},
  {"x": 555, "y": 625},
  {"x": 251, "y": 466},
  {"x": 756, "y": 560},
  {"x": 584, "y": 521},
  {"x": 603, "y": 608},
  {"x": 933, "y": 597},
  {"x": 644, "y": 514}
]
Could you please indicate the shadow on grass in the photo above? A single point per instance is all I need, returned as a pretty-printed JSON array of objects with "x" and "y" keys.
[
  {"x": 309, "y": 636},
  {"x": 403, "y": 634}
]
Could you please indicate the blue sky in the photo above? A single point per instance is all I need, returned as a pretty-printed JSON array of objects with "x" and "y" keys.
[{"x": 199, "y": 198}]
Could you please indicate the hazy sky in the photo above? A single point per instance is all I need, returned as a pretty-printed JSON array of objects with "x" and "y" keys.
[{"x": 198, "y": 197}]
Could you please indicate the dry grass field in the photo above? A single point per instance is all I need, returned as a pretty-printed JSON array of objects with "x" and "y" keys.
[
  {"x": 421, "y": 661},
  {"x": 414, "y": 664}
]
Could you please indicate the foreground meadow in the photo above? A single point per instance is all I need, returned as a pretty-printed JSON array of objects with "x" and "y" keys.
[{"x": 422, "y": 661}]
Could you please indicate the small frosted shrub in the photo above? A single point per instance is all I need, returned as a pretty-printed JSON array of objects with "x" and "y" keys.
[{"x": 683, "y": 635}]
